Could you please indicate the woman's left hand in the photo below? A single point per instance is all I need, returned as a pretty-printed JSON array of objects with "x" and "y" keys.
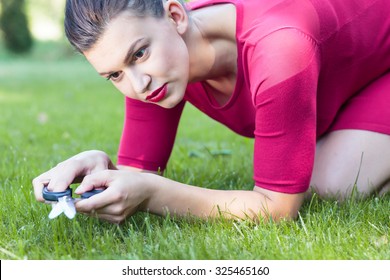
[{"x": 126, "y": 192}]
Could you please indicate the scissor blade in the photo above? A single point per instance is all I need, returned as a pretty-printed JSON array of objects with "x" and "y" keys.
[
  {"x": 67, "y": 206},
  {"x": 56, "y": 211}
]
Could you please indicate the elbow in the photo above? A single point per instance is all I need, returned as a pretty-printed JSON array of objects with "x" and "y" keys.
[
  {"x": 280, "y": 206},
  {"x": 283, "y": 213}
]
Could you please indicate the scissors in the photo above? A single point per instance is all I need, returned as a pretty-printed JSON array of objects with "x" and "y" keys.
[{"x": 63, "y": 202}]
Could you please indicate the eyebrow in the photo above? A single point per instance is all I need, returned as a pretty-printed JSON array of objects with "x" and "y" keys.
[{"x": 128, "y": 55}]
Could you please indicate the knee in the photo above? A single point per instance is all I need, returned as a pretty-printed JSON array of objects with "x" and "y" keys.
[{"x": 338, "y": 185}]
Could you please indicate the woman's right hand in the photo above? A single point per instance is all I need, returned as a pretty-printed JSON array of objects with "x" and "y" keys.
[{"x": 71, "y": 171}]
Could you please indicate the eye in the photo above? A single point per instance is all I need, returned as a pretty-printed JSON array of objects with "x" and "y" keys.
[
  {"x": 114, "y": 76},
  {"x": 139, "y": 54}
]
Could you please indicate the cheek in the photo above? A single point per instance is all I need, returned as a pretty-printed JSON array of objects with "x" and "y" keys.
[
  {"x": 126, "y": 89},
  {"x": 175, "y": 58}
]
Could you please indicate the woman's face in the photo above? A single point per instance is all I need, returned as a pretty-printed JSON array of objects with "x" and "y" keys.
[{"x": 146, "y": 58}]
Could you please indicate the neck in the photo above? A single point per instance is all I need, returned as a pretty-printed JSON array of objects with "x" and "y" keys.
[{"x": 211, "y": 43}]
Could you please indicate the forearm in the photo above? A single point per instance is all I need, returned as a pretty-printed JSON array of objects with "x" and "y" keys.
[
  {"x": 125, "y": 167},
  {"x": 167, "y": 196}
]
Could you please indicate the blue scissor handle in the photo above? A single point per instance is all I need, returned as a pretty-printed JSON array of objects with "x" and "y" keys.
[
  {"x": 91, "y": 193},
  {"x": 54, "y": 196}
]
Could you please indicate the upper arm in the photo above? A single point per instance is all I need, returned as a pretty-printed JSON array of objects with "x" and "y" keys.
[
  {"x": 148, "y": 135},
  {"x": 284, "y": 81},
  {"x": 281, "y": 55}
]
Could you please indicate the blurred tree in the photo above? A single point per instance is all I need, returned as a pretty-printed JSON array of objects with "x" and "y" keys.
[
  {"x": 46, "y": 19},
  {"x": 13, "y": 22}
]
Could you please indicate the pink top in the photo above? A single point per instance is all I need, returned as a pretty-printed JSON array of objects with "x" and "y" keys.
[{"x": 298, "y": 61}]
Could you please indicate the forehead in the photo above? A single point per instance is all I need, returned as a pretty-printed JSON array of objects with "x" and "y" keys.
[
  {"x": 118, "y": 36},
  {"x": 123, "y": 28}
]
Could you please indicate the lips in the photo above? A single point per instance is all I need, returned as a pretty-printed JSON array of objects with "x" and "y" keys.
[{"x": 158, "y": 94}]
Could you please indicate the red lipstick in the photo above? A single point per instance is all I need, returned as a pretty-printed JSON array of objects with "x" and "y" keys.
[{"x": 158, "y": 94}]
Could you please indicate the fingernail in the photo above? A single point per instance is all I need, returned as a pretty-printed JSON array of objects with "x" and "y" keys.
[{"x": 77, "y": 190}]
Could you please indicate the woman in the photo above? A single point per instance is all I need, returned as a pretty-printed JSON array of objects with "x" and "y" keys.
[{"x": 309, "y": 80}]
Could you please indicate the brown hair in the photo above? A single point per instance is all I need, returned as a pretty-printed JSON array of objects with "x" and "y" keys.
[{"x": 86, "y": 20}]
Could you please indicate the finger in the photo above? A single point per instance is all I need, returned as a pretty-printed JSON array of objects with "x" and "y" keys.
[
  {"x": 115, "y": 209},
  {"x": 38, "y": 184},
  {"x": 111, "y": 218},
  {"x": 63, "y": 175},
  {"x": 98, "y": 201},
  {"x": 97, "y": 180},
  {"x": 94, "y": 203},
  {"x": 107, "y": 217}
]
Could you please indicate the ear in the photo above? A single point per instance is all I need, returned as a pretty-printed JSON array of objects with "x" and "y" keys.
[{"x": 177, "y": 13}]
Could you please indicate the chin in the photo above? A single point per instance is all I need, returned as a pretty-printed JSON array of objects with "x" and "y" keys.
[{"x": 170, "y": 103}]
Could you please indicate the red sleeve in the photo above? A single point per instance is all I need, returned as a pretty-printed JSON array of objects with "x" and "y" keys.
[
  {"x": 148, "y": 135},
  {"x": 283, "y": 76}
]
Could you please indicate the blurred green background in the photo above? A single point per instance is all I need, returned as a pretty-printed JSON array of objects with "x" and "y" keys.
[
  {"x": 53, "y": 105},
  {"x": 22, "y": 21}
]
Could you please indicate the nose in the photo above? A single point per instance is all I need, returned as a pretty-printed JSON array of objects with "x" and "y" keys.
[{"x": 139, "y": 80}]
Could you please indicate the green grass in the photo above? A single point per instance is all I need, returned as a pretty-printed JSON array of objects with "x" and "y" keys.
[{"x": 53, "y": 105}]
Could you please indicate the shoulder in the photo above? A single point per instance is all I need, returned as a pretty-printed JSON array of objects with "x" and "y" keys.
[{"x": 270, "y": 16}]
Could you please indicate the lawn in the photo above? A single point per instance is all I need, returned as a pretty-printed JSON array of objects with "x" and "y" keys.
[{"x": 53, "y": 105}]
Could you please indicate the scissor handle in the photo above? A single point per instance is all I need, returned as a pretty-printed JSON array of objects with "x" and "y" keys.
[
  {"x": 91, "y": 193},
  {"x": 54, "y": 196}
]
